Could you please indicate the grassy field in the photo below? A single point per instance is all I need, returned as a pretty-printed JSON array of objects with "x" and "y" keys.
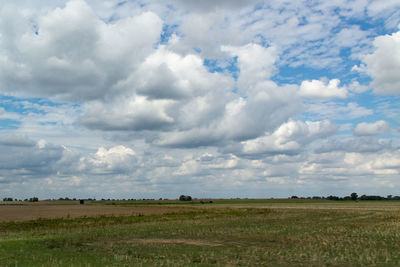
[{"x": 224, "y": 233}]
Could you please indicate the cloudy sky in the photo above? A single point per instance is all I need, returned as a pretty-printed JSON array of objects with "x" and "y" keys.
[{"x": 212, "y": 98}]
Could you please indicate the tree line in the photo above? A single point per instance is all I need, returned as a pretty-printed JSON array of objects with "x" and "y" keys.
[
  {"x": 32, "y": 199},
  {"x": 353, "y": 196}
]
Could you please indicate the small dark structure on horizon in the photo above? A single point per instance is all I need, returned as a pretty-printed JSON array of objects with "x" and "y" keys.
[{"x": 81, "y": 201}]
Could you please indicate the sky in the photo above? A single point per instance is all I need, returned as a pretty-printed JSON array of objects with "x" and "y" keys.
[{"x": 227, "y": 98}]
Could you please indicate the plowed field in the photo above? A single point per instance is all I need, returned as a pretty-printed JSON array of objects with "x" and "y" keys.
[{"x": 33, "y": 212}]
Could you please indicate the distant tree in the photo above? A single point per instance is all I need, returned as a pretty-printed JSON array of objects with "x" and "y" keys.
[
  {"x": 33, "y": 199},
  {"x": 365, "y": 197},
  {"x": 353, "y": 196},
  {"x": 333, "y": 198},
  {"x": 294, "y": 197},
  {"x": 185, "y": 198}
]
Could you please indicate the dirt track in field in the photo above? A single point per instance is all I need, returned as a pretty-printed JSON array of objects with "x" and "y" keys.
[{"x": 34, "y": 212}]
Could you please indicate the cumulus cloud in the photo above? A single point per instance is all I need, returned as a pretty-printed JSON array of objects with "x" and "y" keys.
[
  {"x": 388, "y": 160},
  {"x": 168, "y": 75},
  {"x": 116, "y": 160},
  {"x": 22, "y": 159},
  {"x": 317, "y": 89},
  {"x": 193, "y": 107},
  {"x": 49, "y": 61},
  {"x": 380, "y": 168},
  {"x": 131, "y": 114},
  {"x": 356, "y": 87},
  {"x": 383, "y": 65},
  {"x": 149, "y": 98},
  {"x": 168, "y": 91},
  {"x": 337, "y": 111},
  {"x": 362, "y": 144},
  {"x": 256, "y": 63},
  {"x": 376, "y": 128},
  {"x": 289, "y": 138},
  {"x": 241, "y": 118}
]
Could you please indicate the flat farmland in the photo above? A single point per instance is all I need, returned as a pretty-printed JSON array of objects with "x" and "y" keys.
[
  {"x": 222, "y": 233},
  {"x": 51, "y": 211}
]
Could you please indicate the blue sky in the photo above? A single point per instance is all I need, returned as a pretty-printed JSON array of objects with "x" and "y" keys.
[{"x": 228, "y": 98}]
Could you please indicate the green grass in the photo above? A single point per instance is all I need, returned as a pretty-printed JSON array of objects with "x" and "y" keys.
[{"x": 210, "y": 236}]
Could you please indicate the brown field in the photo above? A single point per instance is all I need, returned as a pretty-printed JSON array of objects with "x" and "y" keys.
[
  {"x": 46, "y": 211},
  {"x": 68, "y": 209}
]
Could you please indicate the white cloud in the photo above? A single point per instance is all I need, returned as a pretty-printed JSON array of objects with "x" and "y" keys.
[
  {"x": 351, "y": 36},
  {"x": 376, "y": 128},
  {"x": 362, "y": 144},
  {"x": 388, "y": 160},
  {"x": 256, "y": 64},
  {"x": 383, "y": 65},
  {"x": 172, "y": 97},
  {"x": 210, "y": 5},
  {"x": 23, "y": 159},
  {"x": 118, "y": 159},
  {"x": 167, "y": 92},
  {"x": 16, "y": 141},
  {"x": 9, "y": 115},
  {"x": 192, "y": 107},
  {"x": 337, "y": 111},
  {"x": 289, "y": 138},
  {"x": 206, "y": 32},
  {"x": 49, "y": 61},
  {"x": 382, "y": 7},
  {"x": 356, "y": 87},
  {"x": 317, "y": 89},
  {"x": 168, "y": 75},
  {"x": 135, "y": 113},
  {"x": 240, "y": 119}
]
